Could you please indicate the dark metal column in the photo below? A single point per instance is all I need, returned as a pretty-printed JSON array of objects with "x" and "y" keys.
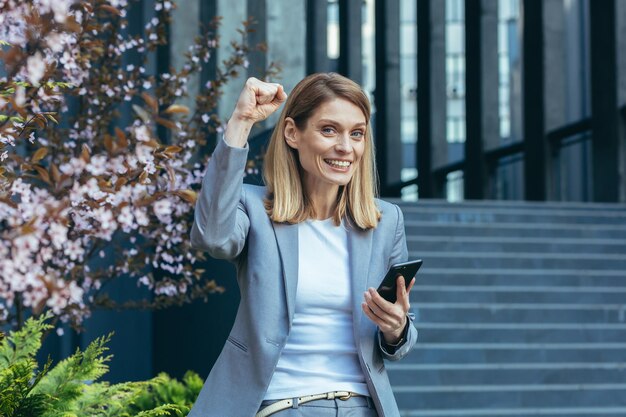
[
  {"x": 424, "y": 132},
  {"x": 481, "y": 94},
  {"x": 432, "y": 145},
  {"x": 535, "y": 144},
  {"x": 474, "y": 173},
  {"x": 387, "y": 98},
  {"x": 350, "y": 44},
  {"x": 257, "y": 10},
  {"x": 316, "y": 36},
  {"x": 604, "y": 106},
  {"x": 620, "y": 12}
]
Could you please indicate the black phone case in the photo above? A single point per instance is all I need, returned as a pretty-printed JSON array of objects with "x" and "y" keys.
[{"x": 387, "y": 288}]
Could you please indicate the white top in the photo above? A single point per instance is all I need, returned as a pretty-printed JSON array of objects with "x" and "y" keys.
[{"x": 320, "y": 354}]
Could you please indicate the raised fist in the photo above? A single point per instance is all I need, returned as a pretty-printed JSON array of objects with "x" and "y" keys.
[{"x": 258, "y": 100}]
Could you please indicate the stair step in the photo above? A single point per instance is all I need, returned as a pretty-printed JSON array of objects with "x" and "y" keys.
[
  {"x": 393, "y": 367},
  {"x": 515, "y": 244},
  {"x": 429, "y": 275},
  {"x": 519, "y": 412},
  {"x": 522, "y": 260},
  {"x": 522, "y": 306},
  {"x": 547, "y": 230},
  {"x": 427, "y": 352},
  {"x": 521, "y": 334},
  {"x": 517, "y": 316},
  {"x": 613, "y": 373},
  {"x": 520, "y": 288},
  {"x": 594, "y": 411},
  {"x": 442, "y": 215},
  {"x": 511, "y": 395},
  {"x": 421, "y": 294},
  {"x": 509, "y": 205}
]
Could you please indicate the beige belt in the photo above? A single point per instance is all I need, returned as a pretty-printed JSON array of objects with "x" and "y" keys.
[{"x": 285, "y": 404}]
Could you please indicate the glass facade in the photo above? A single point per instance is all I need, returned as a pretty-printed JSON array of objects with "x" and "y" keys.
[
  {"x": 332, "y": 34},
  {"x": 510, "y": 171},
  {"x": 508, "y": 60},
  {"x": 455, "y": 71},
  {"x": 509, "y": 179},
  {"x": 455, "y": 93},
  {"x": 408, "y": 82}
]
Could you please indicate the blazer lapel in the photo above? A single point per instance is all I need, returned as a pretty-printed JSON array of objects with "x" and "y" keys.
[
  {"x": 359, "y": 250},
  {"x": 287, "y": 239}
]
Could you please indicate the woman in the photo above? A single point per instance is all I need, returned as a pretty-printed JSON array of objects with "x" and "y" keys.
[{"x": 311, "y": 332}]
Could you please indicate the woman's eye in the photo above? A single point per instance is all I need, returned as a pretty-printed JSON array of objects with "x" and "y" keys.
[
  {"x": 327, "y": 130},
  {"x": 358, "y": 134}
]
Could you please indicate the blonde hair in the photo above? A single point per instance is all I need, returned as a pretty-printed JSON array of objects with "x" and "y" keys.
[{"x": 286, "y": 200}]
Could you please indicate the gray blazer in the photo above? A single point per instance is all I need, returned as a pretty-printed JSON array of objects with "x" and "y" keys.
[{"x": 231, "y": 223}]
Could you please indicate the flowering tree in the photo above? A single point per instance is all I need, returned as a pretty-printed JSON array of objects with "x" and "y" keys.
[{"x": 84, "y": 197}]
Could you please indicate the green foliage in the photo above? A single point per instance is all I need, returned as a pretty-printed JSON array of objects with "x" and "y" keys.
[
  {"x": 64, "y": 384},
  {"x": 71, "y": 388},
  {"x": 16, "y": 383},
  {"x": 166, "y": 390},
  {"x": 22, "y": 344}
]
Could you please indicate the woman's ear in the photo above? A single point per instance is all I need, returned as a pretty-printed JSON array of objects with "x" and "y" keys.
[{"x": 291, "y": 133}]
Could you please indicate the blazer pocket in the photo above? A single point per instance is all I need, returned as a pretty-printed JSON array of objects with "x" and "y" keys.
[{"x": 238, "y": 344}]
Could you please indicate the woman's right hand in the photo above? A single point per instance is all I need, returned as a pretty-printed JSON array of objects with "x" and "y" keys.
[{"x": 256, "y": 102}]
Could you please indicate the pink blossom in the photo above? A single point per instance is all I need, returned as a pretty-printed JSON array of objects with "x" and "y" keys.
[
  {"x": 58, "y": 234},
  {"x": 74, "y": 250},
  {"x": 21, "y": 188},
  {"x": 87, "y": 204},
  {"x": 97, "y": 165},
  {"x": 163, "y": 210},
  {"x": 150, "y": 168},
  {"x": 36, "y": 68},
  {"x": 142, "y": 134},
  {"x": 126, "y": 219},
  {"x": 56, "y": 41},
  {"x": 107, "y": 223},
  {"x": 144, "y": 153},
  {"x": 46, "y": 254},
  {"x": 92, "y": 189},
  {"x": 141, "y": 217},
  {"x": 167, "y": 289},
  {"x": 36, "y": 295},
  {"x": 20, "y": 95}
]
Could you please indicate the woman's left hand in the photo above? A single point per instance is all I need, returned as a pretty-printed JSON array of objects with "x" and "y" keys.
[{"x": 389, "y": 317}]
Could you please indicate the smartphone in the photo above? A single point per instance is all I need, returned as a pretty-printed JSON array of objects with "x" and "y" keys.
[{"x": 388, "y": 288}]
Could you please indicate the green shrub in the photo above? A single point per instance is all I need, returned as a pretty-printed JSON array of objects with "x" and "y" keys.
[{"x": 70, "y": 388}]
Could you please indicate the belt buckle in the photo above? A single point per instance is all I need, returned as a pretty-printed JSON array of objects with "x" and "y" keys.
[{"x": 344, "y": 396}]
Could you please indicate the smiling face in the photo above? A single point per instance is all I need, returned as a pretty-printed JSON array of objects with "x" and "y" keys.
[{"x": 331, "y": 145}]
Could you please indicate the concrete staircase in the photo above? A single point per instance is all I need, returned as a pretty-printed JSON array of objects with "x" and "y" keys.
[{"x": 521, "y": 309}]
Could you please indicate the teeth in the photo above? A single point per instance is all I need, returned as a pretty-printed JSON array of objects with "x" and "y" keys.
[{"x": 342, "y": 164}]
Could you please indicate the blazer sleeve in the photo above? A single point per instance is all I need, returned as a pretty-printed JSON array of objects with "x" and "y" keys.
[
  {"x": 399, "y": 254},
  {"x": 221, "y": 222}
]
